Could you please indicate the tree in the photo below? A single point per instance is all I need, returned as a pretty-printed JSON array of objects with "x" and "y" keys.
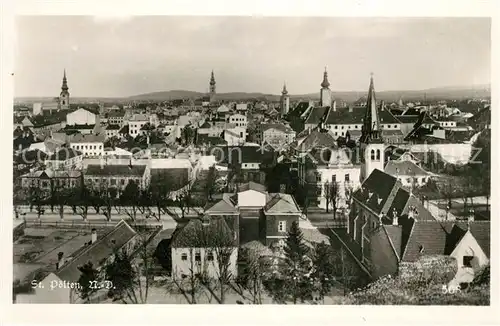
[
  {"x": 36, "y": 198},
  {"x": 211, "y": 183},
  {"x": 86, "y": 280},
  {"x": 251, "y": 277},
  {"x": 332, "y": 195},
  {"x": 131, "y": 276},
  {"x": 60, "y": 196},
  {"x": 298, "y": 266},
  {"x": 158, "y": 193},
  {"x": 79, "y": 200},
  {"x": 323, "y": 270},
  {"x": 131, "y": 198}
]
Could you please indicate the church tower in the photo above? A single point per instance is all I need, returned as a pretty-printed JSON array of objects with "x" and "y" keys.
[
  {"x": 284, "y": 101},
  {"x": 64, "y": 96},
  {"x": 212, "y": 87},
  {"x": 372, "y": 144},
  {"x": 325, "y": 92}
]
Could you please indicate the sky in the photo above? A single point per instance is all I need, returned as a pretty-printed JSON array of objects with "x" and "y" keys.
[{"x": 125, "y": 56}]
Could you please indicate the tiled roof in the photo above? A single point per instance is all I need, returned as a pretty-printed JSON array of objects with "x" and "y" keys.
[
  {"x": 49, "y": 174},
  {"x": 205, "y": 139},
  {"x": 480, "y": 230},
  {"x": 139, "y": 117},
  {"x": 225, "y": 205},
  {"x": 300, "y": 109},
  {"x": 64, "y": 154},
  {"x": 388, "y": 133},
  {"x": 115, "y": 170},
  {"x": 343, "y": 116},
  {"x": 116, "y": 113},
  {"x": 95, "y": 253},
  {"x": 375, "y": 190},
  {"x": 316, "y": 115},
  {"x": 112, "y": 127},
  {"x": 30, "y": 157},
  {"x": 395, "y": 235},
  {"x": 252, "y": 186},
  {"x": 197, "y": 235},
  {"x": 426, "y": 238},
  {"x": 89, "y": 138},
  {"x": 277, "y": 126},
  {"x": 406, "y": 168},
  {"x": 79, "y": 126},
  {"x": 316, "y": 139},
  {"x": 281, "y": 203},
  {"x": 222, "y": 108},
  {"x": 407, "y": 118},
  {"x": 249, "y": 154},
  {"x": 387, "y": 117}
]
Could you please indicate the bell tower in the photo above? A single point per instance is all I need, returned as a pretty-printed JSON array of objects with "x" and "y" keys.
[
  {"x": 372, "y": 144},
  {"x": 325, "y": 92},
  {"x": 212, "y": 87},
  {"x": 284, "y": 101},
  {"x": 64, "y": 96}
]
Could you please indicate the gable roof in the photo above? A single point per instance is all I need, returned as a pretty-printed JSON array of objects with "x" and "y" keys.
[
  {"x": 64, "y": 154},
  {"x": 316, "y": 139},
  {"x": 281, "y": 203},
  {"x": 115, "y": 170},
  {"x": 277, "y": 126},
  {"x": 339, "y": 116},
  {"x": 395, "y": 235},
  {"x": 406, "y": 168},
  {"x": 225, "y": 205},
  {"x": 375, "y": 190},
  {"x": 300, "y": 109},
  {"x": 252, "y": 186},
  {"x": 195, "y": 234},
  {"x": 121, "y": 234},
  {"x": 426, "y": 238},
  {"x": 316, "y": 115}
]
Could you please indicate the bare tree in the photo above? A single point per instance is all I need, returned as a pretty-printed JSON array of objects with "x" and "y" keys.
[
  {"x": 36, "y": 198},
  {"x": 158, "y": 193},
  {"x": 332, "y": 196},
  {"x": 130, "y": 198}
]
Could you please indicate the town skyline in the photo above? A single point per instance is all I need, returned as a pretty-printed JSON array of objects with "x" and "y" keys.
[{"x": 461, "y": 51}]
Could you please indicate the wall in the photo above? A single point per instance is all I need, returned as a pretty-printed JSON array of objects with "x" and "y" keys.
[
  {"x": 383, "y": 258},
  {"x": 468, "y": 246},
  {"x": 251, "y": 198},
  {"x": 81, "y": 117},
  {"x": 271, "y": 226},
  {"x": 180, "y": 266},
  {"x": 89, "y": 149}
]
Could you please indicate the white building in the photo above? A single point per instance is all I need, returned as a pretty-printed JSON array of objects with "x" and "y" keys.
[
  {"x": 135, "y": 124},
  {"x": 238, "y": 119},
  {"x": 408, "y": 173},
  {"x": 65, "y": 159},
  {"x": 89, "y": 145},
  {"x": 82, "y": 117}
]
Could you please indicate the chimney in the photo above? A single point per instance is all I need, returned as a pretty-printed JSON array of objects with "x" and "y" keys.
[
  {"x": 60, "y": 260},
  {"x": 93, "y": 235},
  {"x": 394, "y": 217},
  {"x": 334, "y": 106}
]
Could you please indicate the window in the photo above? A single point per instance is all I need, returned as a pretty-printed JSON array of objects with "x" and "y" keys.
[
  {"x": 113, "y": 182},
  {"x": 282, "y": 226},
  {"x": 197, "y": 257},
  {"x": 184, "y": 256},
  {"x": 335, "y": 126},
  {"x": 423, "y": 180},
  {"x": 210, "y": 256},
  {"x": 347, "y": 179},
  {"x": 378, "y": 154},
  {"x": 395, "y": 126},
  {"x": 342, "y": 127},
  {"x": 356, "y": 126},
  {"x": 372, "y": 154},
  {"x": 123, "y": 182},
  {"x": 318, "y": 177},
  {"x": 408, "y": 180},
  {"x": 467, "y": 261},
  {"x": 334, "y": 178}
]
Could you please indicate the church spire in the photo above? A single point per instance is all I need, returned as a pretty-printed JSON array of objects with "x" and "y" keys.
[
  {"x": 284, "y": 91},
  {"x": 212, "y": 83},
  {"x": 64, "y": 86},
  {"x": 371, "y": 131},
  {"x": 325, "y": 83}
]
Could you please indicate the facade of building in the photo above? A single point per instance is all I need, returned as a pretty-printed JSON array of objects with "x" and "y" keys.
[
  {"x": 276, "y": 134},
  {"x": 65, "y": 159},
  {"x": 116, "y": 117},
  {"x": 135, "y": 124},
  {"x": 82, "y": 117},
  {"x": 88, "y": 145},
  {"x": 116, "y": 176},
  {"x": 49, "y": 180},
  {"x": 239, "y": 120}
]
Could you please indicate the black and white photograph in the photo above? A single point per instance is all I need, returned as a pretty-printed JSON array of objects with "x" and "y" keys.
[{"x": 251, "y": 160}]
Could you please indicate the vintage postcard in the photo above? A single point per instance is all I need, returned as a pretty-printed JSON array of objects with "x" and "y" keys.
[{"x": 243, "y": 160}]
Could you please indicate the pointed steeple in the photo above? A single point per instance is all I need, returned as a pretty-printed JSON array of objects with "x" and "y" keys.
[
  {"x": 64, "y": 86},
  {"x": 284, "y": 91},
  {"x": 212, "y": 79},
  {"x": 325, "y": 83},
  {"x": 371, "y": 131},
  {"x": 212, "y": 84}
]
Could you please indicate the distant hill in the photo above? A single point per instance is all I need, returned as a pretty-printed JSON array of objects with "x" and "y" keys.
[{"x": 441, "y": 93}]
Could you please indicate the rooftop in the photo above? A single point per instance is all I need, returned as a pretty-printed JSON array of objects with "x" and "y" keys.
[{"x": 115, "y": 170}]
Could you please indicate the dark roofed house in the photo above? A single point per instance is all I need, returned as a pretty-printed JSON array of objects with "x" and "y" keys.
[{"x": 316, "y": 116}]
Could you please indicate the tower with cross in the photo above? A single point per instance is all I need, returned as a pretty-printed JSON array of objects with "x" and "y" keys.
[
  {"x": 325, "y": 92},
  {"x": 372, "y": 144}
]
